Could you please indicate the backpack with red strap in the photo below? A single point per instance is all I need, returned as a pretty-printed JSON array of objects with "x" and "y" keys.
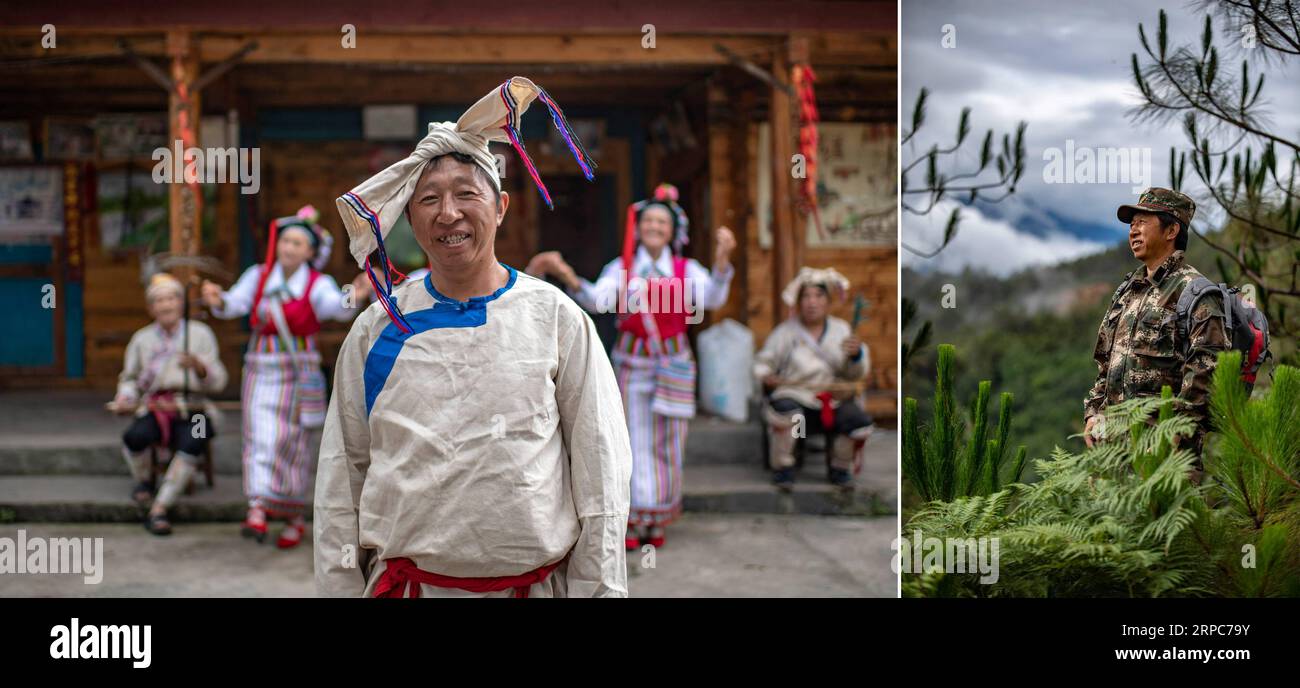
[{"x": 1247, "y": 325}]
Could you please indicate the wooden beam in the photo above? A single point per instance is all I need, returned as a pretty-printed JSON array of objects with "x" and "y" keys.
[
  {"x": 121, "y": 85},
  {"x": 402, "y": 48},
  {"x": 224, "y": 66},
  {"x": 675, "y": 16},
  {"x": 753, "y": 70},
  {"x": 851, "y": 49}
]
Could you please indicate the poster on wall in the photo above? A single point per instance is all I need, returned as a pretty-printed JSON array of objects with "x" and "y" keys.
[
  {"x": 857, "y": 185},
  {"x": 31, "y": 203},
  {"x": 389, "y": 122},
  {"x": 15, "y": 141},
  {"x": 68, "y": 138},
  {"x": 130, "y": 136},
  {"x": 132, "y": 208}
]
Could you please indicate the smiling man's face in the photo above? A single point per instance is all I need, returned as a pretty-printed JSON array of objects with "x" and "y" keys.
[
  {"x": 1148, "y": 241},
  {"x": 454, "y": 214}
]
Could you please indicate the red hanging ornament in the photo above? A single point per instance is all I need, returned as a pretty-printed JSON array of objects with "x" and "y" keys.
[{"x": 808, "y": 118}]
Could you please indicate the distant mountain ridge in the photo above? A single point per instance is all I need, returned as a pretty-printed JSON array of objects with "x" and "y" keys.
[
  {"x": 1085, "y": 282},
  {"x": 1028, "y": 216}
]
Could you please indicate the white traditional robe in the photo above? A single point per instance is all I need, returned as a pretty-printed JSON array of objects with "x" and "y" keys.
[
  {"x": 488, "y": 442},
  {"x": 152, "y": 364},
  {"x": 806, "y": 364}
]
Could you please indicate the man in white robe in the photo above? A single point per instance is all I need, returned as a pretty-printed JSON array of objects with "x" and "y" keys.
[
  {"x": 803, "y": 360},
  {"x": 475, "y": 443}
]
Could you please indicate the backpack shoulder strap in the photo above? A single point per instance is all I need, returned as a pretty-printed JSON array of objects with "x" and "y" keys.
[
  {"x": 1123, "y": 287},
  {"x": 1193, "y": 291},
  {"x": 1229, "y": 298}
]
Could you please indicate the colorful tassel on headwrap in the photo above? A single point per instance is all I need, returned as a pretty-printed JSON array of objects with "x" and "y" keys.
[
  {"x": 372, "y": 208},
  {"x": 561, "y": 124},
  {"x": 570, "y": 137},
  {"x": 383, "y": 294}
]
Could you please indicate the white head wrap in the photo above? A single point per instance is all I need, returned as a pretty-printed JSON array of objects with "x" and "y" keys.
[
  {"x": 370, "y": 210},
  {"x": 163, "y": 283},
  {"x": 835, "y": 283}
]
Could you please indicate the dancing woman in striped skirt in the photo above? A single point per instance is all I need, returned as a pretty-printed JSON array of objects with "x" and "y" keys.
[
  {"x": 657, "y": 293},
  {"x": 283, "y": 391}
]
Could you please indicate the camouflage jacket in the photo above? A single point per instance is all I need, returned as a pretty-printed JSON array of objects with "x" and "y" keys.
[{"x": 1139, "y": 350}]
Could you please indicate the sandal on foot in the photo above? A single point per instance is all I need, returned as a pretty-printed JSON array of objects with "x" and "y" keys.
[
  {"x": 142, "y": 494},
  {"x": 840, "y": 477},
  {"x": 783, "y": 478},
  {"x": 158, "y": 524}
]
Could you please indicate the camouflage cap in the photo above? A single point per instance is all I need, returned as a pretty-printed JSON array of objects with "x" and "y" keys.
[{"x": 1158, "y": 200}]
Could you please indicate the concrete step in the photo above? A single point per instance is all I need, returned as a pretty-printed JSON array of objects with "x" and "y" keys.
[
  {"x": 96, "y": 450},
  {"x": 711, "y": 441},
  {"x": 66, "y": 432},
  {"x": 709, "y": 489},
  {"x": 102, "y": 498},
  {"x": 743, "y": 490},
  {"x": 44, "y": 456}
]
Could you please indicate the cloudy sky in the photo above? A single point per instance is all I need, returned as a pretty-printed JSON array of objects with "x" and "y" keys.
[{"x": 1064, "y": 68}]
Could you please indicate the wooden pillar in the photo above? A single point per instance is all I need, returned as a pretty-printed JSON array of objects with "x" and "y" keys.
[
  {"x": 785, "y": 240},
  {"x": 185, "y": 202},
  {"x": 725, "y": 176},
  {"x": 798, "y": 221}
]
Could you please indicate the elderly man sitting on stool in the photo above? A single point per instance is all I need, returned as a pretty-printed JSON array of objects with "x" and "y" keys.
[
  {"x": 808, "y": 363},
  {"x": 164, "y": 387}
]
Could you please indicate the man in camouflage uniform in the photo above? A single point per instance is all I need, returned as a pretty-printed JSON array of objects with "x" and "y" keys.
[{"x": 1139, "y": 347}]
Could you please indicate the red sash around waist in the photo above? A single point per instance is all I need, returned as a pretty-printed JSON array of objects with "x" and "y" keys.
[
  {"x": 400, "y": 572},
  {"x": 828, "y": 411}
]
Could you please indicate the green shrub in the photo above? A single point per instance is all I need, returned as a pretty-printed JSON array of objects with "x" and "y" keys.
[
  {"x": 1122, "y": 519},
  {"x": 939, "y": 460}
]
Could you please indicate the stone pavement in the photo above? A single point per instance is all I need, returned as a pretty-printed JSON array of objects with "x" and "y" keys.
[
  {"x": 62, "y": 475},
  {"x": 707, "y": 555}
]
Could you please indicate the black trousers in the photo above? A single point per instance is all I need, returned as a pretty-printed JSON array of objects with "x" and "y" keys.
[
  {"x": 848, "y": 416},
  {"x": 145, "y": 431}
]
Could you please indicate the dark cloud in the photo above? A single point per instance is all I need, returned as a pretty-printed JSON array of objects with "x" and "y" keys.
[{"x": 1062, "y": 66}]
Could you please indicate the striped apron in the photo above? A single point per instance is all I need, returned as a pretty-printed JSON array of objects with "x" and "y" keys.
[
  {"x": 283, "y": 398},
  {"x": 657, "y": 379}
]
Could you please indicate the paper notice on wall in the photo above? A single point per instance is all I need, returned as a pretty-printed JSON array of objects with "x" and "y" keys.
[
  {"x": 31, "y": 203},
  {"x": 389, "y": 122}
]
